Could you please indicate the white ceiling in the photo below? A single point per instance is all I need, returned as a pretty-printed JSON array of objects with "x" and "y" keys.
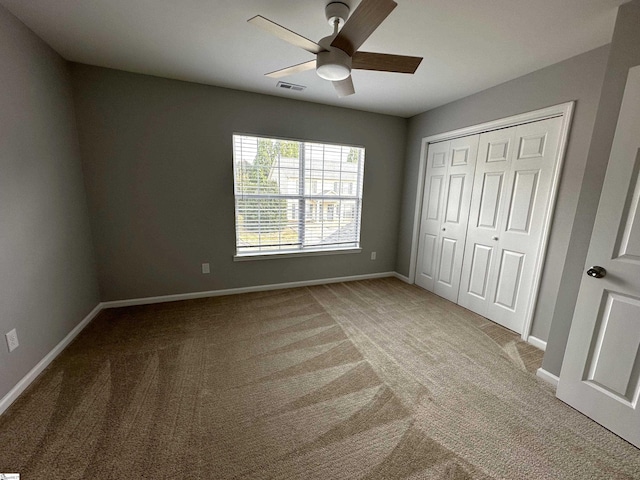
[{"x": 467, "y": 45}]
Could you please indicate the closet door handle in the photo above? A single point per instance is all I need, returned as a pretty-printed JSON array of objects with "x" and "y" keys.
[
  {"x": 444, "y": 229},
  {"x": 495, "y": 238}
]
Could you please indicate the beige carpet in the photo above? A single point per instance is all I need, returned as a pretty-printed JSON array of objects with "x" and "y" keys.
[{"x": 364, "y": 380}]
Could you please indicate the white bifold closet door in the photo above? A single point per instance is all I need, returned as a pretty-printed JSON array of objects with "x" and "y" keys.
[
  {"x": 445, "y": 215},
  {"x": 510, "y": 203}
]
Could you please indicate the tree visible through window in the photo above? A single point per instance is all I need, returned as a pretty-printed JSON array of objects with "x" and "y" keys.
[{"x": 294, "y": 196}]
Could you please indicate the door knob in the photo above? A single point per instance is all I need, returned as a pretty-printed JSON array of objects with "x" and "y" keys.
[
  {"x": 495, "y": 238},
  {"x": 596, "y": 272},
  {"x": 444, "y": 229}
]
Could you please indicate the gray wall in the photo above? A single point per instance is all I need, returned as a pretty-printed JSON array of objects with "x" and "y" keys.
[
  {"x": 580, "y": 79},
  {"x": 624, "y": 54},
  {"x": 157, "y": 157},
  {"x": 47, "y": 273}
]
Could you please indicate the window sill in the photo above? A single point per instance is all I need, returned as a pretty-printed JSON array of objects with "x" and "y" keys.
[{"x": 303, "y": 253}]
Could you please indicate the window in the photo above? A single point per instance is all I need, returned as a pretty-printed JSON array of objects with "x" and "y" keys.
[{"x": 288, "y": 199}]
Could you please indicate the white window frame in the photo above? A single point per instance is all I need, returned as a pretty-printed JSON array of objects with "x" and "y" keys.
[{"x": 306, "y": 208}]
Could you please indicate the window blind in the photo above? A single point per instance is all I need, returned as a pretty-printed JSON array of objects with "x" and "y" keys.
[{"x": 293, "y": 196}]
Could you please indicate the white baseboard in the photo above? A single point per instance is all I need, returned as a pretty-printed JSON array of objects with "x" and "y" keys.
[
  {"x": 235, "y": 291},
  {"x": 20, "y": 387},
  {"x": 547, "y": 377},
  {"x": 402, "y": 277},
  {"x": 536, "y": 342}
]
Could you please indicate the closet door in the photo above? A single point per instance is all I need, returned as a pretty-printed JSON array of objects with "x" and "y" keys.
[
  {"x": 432, "y": 200},
  {"x": 492, "y": 166},
  {"x": 447, "y": 197},
  {"x": 455, "y": 216},
  {"x": 510, "y": 203}
]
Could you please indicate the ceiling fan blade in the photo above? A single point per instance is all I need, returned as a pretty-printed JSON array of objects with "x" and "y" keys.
[
  {"x": 383, "y": 62},
  {"x": 285, "y": 34},
  {"x": 344, "y": 87},
  {"x": 364, "y": 20},
  {"x": 301, "y": 67}
]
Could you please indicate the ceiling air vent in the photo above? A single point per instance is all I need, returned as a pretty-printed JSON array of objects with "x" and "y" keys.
[{"x": 291, "y": 86}]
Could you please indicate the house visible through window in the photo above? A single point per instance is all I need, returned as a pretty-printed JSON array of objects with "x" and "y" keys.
[{"x": 295, "y": 196}]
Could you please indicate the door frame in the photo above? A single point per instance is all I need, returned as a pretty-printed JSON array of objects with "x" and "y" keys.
[{"x": 564, "y": 110}]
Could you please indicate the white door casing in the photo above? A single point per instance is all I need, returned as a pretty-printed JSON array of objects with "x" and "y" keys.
[
  {"x": 601, "y": 369},
  {"x": 449, "y": 179},
  {"x": 511, "y": 197}
]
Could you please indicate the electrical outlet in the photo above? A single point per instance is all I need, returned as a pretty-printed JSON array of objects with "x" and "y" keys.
[
  {"x": 12, "y": 340},
  {"x": 206, "y": 268},
  {"x": 373, "y": 255}
]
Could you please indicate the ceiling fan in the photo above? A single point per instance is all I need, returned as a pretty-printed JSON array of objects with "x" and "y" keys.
[{"x": 337, "y": 54}]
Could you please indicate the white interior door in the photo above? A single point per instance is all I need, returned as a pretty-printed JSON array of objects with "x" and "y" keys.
[
  {"x": 601, "y": 369},
  {"x": 492, "y": 168},
  {"x": 509, "y": 208},
  {"x": 455, "y": 216},
  {"x": 434, "y": 185},
  {"x": 449, "y": 180}
]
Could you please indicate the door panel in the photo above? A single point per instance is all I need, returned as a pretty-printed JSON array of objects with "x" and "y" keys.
[
  {"x": 453, "y": 231},
  {"x": 435, "y": 194},
  {"x": 479, "y": 273},
  {"x": 498, "y": 150},
  {"x": 525, "y": 188},
  {"x": 429, "y": 243},
  {"x": 447, "y": 261},
  {"x": 509, "y": 279},
  {"x": 446, "y": 200},
  {"x": 601, "y": 368},
  {"x": 532, "y": 146},
  {"x": 490, "y": 200},
  {"x": 523, "y": 214},
  {"x": 614, "y": 360},
  {"x": 454, "y": 198},
  {"x": 439, "y": 159},
  {"x": 509, "y": 206},
  {"x": 431, "y": 213},
  {"x": 479, "y": 276},
  {"x": 460, "y": 156},
  {"x": 630, "y": 228}
]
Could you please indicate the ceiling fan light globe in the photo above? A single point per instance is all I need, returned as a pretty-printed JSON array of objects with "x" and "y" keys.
[
  {"x": 333, "y": 72},
  {"x": 333, "y": 65}
]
